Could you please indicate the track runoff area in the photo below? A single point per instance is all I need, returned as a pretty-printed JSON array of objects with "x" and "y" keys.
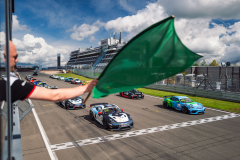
[{"x": 158, "y": 133}]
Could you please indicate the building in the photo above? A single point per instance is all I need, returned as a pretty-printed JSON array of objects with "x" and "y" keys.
[
  {"x": 58, "y": 60},
  {"x": 95, "y": 58}
]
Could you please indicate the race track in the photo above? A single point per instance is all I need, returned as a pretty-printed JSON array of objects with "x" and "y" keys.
[{"x": 158, "y": 133}]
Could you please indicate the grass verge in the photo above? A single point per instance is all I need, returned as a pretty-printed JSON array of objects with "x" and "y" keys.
[
  {"x": 74, "y": 76},
  {"x": 208, "y": 102}
]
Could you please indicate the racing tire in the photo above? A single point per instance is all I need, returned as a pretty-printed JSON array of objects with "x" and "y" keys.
[
  {"x": 65, "y": 106},
  {"x": 129, "y": 96},
  {"x": 185, "y": 110},
  {"x": 105, "y": 124},
  {"x": 165, "y": 105},
  {"x": 84, "y": 106},
  {"x": 91, "y": 116}
]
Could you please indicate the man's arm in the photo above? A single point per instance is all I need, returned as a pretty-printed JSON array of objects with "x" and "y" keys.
[{"x": 62, "y": 93}]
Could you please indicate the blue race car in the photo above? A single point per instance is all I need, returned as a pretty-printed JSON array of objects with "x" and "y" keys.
[
  {"x": 184, "y": 104},
  {"x": 68, "y": 79}
]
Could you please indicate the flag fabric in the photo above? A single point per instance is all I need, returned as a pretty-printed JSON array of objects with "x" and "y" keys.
[{"x": 154, "y": 54}]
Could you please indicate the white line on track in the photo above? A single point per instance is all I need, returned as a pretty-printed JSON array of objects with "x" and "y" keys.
[
  {"x": 107, "y": 138},
  {"x": 2, "y": 105},
  {"x": 51, "y": 153}
]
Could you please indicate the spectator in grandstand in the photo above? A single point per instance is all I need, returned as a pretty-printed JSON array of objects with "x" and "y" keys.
[{"x": 21, "y": 90}]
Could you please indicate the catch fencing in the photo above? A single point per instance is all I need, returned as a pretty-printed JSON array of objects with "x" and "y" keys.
[{"x": 215, "y": 82}]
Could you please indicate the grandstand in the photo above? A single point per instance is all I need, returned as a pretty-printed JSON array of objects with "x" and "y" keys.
[{"x": 95, "y": 58}]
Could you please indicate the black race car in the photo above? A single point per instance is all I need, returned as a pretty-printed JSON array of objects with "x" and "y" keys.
[
  {"x": 35, "y": 73},
  {"x": 132, "y": 94},
  {"x": 74, "y": 103}
]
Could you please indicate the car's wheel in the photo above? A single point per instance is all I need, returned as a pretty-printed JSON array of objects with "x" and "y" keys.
[
  {"x": 165, "y": 105},
  {"x": 185, "y": 110},
  {"x": 120, "y": 94},
  {"x": 129, "y": 96},
  {"x": 84, "y": 106},
  {"x": 105, "y": 124},
  {"x": 91, "y": 116},
  {"x": 65, "y": 106}
]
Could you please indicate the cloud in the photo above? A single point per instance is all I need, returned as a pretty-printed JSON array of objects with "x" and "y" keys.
[
  {"x": 135, "y": 23},
  {"x": 202, "y": 8},
  {"x": 16, "y": 25},
  {"x": 85, "y": 31},
  {"x": 126, "y": 6},
  {"x": 35, "y": 50},
  {"x": 216, "y": 42}
]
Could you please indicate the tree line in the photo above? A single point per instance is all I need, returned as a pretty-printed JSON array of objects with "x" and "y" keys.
[{"x": 204, "y": 63}]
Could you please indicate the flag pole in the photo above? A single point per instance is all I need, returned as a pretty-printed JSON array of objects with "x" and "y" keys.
[{"x": 87, "y": 98}]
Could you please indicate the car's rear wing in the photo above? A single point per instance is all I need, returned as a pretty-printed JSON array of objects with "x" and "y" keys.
[
  {"x": 167, "y": 96},
  {"x": 97, "y": 104}
]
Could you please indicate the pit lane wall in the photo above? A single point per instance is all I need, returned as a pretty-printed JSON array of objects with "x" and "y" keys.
[{"x": 200, "y": 92}]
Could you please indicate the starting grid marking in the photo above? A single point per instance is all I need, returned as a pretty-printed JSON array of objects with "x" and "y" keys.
[{"x": 84, "y": 142}]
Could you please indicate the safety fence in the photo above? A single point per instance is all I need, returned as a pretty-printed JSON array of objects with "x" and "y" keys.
[{"x": 211, "y": 85}]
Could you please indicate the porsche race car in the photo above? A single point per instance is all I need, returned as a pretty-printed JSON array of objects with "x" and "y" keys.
[
  {"x": 184, "y": 104},
  {"x": 133, "y": 94},
  {"x": 76, "y": 81},
  {"x": 68, "y": 79},
  {"x": 43, "y": 84},
  {"x": 52, "y": 87},
  {"x": 35, "y": 73},
  {"x": 61, "y": 78},
  {"x": 74, "y": 103},
  {"x": 110, "y": 116}
]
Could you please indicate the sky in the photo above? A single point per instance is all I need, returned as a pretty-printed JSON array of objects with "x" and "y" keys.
[{"x": 42, "y": 29}]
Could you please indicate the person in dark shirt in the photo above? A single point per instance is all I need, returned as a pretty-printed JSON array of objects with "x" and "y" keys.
[{"x": 21, "y": 90}]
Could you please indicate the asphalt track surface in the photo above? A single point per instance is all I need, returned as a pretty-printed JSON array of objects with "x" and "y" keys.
[{"x": 158, "y": 133}]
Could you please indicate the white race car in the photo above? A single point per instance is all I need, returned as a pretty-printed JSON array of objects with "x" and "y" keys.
[{"x": 110, "y": 116}]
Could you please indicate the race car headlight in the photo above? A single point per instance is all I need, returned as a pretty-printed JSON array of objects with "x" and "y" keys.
[
  {"x": 191, "y": 106},
  {"x": 130, "y": 118},
  {"x": 112, "y": 120}
]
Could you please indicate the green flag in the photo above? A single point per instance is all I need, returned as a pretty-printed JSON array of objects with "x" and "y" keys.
[{"x": 154, "y": 54}]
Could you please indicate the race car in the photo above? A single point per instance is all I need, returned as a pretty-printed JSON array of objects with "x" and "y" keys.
[
  {"x": 68, "y": 79},
  {"x": 132, "y": 94},
  {"x": 52, "y": 87},
  {"x": 184, "y": 104},
  {"x": 76, "y": 81},
  {"x": 36, "y": 82},
  {"x": 61, "y": 78},
  {"x": 54, "y": 76},
  {"x": 27, "y": 77},
  {"x": 32, "y": 80},
  {"x": 73, "y": 103},
  {"x": 43, "y": 84},
  {"x": 110, "y": 116},
  {"x": 35, "y": 73}
]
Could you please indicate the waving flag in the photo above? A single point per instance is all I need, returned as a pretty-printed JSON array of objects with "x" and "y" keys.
[{"x": 154, "y": 54}]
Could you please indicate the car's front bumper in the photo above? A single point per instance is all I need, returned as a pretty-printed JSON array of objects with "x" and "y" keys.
[
  {"x": 121, "y": 126},
  {"x": 197, "y": 111},
  {"x": 138, "y": 97},
  {"x": 77, "y": 106}
]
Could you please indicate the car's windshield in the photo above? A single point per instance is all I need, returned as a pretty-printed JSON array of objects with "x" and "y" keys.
[
  {"x": 185, "y": 100},
  {"x": 134, "y": 91},
  {"x": 76, "y": 98},
  {"x": 111, "y": 110}
]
